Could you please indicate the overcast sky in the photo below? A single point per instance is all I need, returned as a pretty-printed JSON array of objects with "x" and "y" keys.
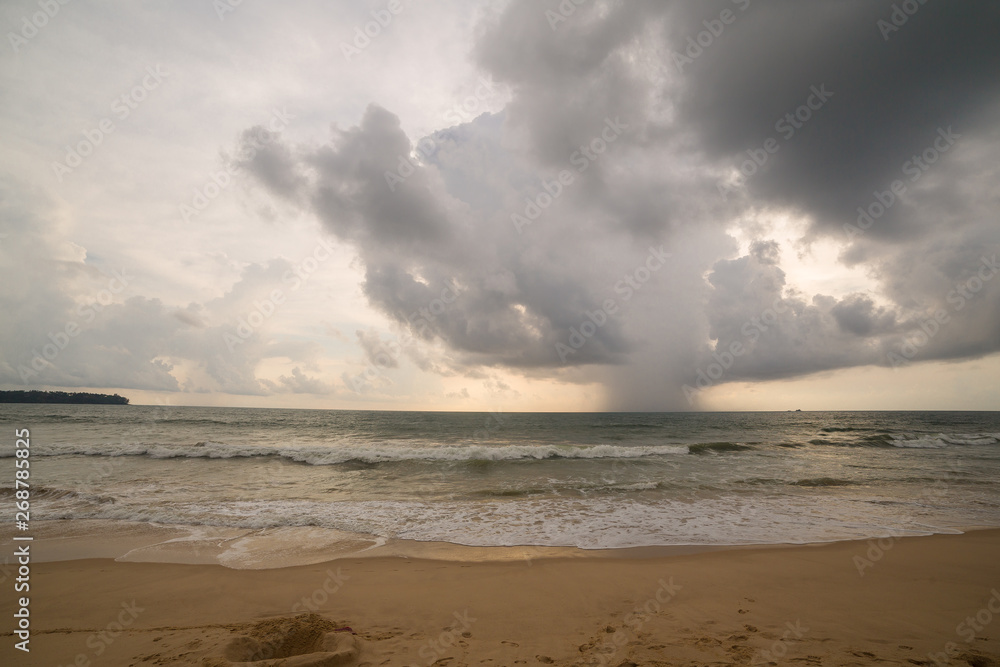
[{"x": 503, "y": 205}]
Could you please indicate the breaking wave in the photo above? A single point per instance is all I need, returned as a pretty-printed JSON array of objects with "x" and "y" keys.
[{"x": 366, "y": 453}]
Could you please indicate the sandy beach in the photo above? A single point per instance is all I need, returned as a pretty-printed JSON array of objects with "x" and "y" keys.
[{"x": 920, "y": 600}]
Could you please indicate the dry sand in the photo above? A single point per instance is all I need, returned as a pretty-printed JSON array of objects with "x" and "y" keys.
[{"x": 789, "y": 606}]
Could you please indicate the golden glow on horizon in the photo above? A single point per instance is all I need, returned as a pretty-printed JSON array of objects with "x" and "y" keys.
[{"x": 929, "y": 386}]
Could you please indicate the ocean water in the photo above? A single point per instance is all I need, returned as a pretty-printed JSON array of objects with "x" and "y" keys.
[{"x": 584, "y": 480}]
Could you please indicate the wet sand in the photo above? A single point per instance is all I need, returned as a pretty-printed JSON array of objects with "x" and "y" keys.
[{"x": 919, "y": 599}]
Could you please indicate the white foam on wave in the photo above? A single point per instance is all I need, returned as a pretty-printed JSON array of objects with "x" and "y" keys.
[
  {"x": 927, "y": 442},
  {"x": 943, "y": 440},
  {"x": 583, "y": 523},
  {"x": 367, "y": 453},
  {"x": 343, "y": 452}
]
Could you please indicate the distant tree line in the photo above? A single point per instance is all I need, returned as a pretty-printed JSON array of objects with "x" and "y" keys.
[{"x": 79, "y": 397}]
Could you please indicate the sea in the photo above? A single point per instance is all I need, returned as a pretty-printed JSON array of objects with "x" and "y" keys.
[{"x": 584, "y": 480}]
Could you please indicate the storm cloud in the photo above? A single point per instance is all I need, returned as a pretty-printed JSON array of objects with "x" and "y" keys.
[
  {"x": 834, "y": 110},
  {"x": 645, "y": 198}
]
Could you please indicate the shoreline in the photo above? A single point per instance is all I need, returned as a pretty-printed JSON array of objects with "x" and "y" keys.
[
  {"x": 761, "y": 605},
  {"x": 255, "y": 549}
]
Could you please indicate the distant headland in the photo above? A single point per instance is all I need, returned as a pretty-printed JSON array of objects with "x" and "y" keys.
[{"x": 80, "y": 397}]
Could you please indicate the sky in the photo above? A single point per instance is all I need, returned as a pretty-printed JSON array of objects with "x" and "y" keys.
[{"x": 509, "y": 205}]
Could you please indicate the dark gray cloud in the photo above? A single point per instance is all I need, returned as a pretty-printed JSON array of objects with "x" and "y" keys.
[
  {"x": 866, "y": 104},
  {"x": 445, "y": 267},
  {"x": 889, "y": 97},
  {"x": 858, "y": 315}
]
